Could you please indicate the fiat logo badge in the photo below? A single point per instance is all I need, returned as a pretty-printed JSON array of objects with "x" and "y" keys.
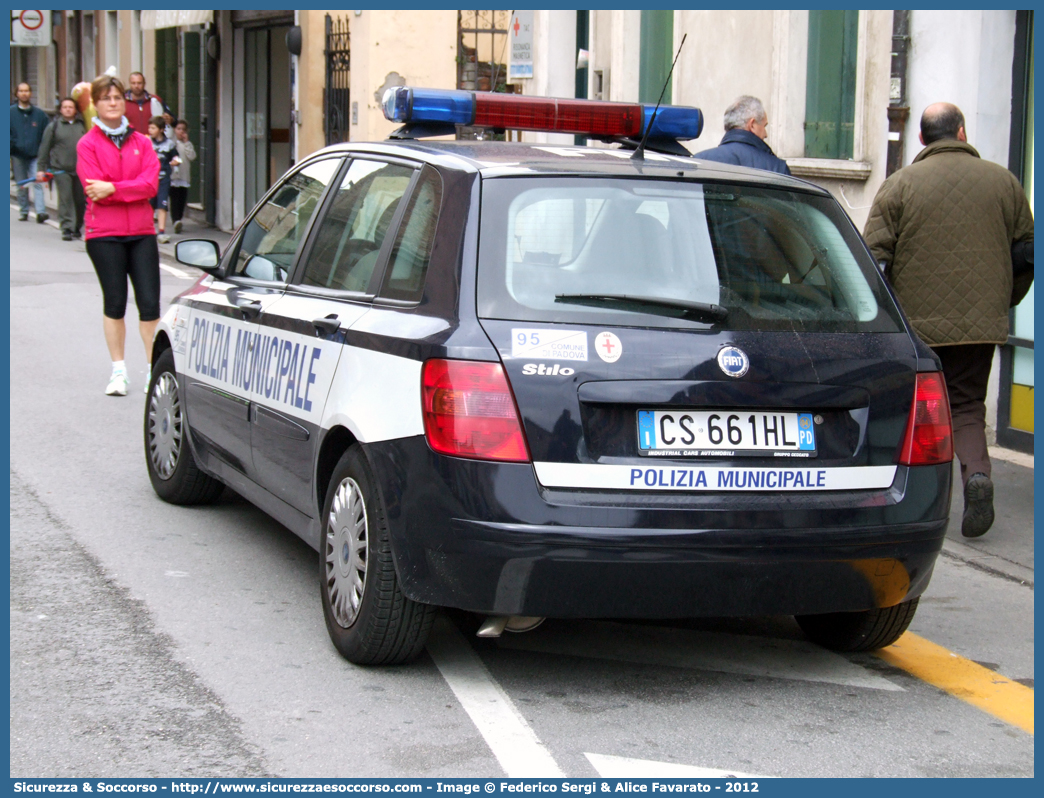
[{"x": 733, "y": 361}]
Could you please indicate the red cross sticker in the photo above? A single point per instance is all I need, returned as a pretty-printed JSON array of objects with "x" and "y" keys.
[
  {"x": 516, "y": 26},
  {"x": 608, "y": 347}
]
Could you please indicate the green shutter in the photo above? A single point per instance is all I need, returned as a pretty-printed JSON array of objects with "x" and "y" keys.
[
  {"x": 830, "y": 88},
  {"x": 656, "y": 54},
  {"x": 192, "y": 111},
  {"x": 166, "y": 80}
]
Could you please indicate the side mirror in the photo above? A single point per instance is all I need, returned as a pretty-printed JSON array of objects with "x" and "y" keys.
[{"x": 199, "y": 252}]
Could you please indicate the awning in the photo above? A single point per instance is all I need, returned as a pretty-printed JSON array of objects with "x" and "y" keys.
[{"x": 154, "y": 20}]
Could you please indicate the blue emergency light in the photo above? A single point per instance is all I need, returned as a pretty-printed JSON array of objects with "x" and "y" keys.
[{"x": 443, "y": 107}]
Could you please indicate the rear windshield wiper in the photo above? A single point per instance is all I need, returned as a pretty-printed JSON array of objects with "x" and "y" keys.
[{"x": 647, "y": 304}]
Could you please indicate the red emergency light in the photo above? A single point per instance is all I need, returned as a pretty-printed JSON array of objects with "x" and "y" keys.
[
  {"x": 594, "y": 118},
  {"x": 443, "y": 108}
]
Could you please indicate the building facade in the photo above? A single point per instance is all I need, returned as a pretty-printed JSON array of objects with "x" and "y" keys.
[
  {"x": 263, "y": 89},
  {"x": 839, "y": 105}
]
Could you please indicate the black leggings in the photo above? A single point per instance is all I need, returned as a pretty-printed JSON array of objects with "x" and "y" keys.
[
  {"x": 178, "y": 200},
  {"x": 116, "y": 259}
]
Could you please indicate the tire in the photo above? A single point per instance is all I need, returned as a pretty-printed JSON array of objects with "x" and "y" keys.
[
  {"x": 172, "y": 468},
  {"x": 858, "y": 631},
  {"x": 369, "y": 620}
]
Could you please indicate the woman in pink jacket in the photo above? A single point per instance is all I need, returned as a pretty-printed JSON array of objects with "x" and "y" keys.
[{"x": 120, "y": 174}]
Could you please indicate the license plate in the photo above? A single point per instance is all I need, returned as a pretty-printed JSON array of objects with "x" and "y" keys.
[{"x": 696, "y": 433}]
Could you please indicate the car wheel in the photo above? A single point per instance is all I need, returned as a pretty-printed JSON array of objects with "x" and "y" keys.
[
  {"x": 369, "y": 620},
  {"x": 859, "y": 631},
  {"x": 172, "y": 469}
]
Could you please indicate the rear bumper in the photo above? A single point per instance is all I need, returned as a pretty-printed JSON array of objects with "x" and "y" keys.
[{"x": 486, "y": 537}]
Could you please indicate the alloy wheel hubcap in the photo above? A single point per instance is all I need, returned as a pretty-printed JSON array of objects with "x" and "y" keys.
[
  {"x": 345, "y": 552},
  {"x": 165, "y": 426}
]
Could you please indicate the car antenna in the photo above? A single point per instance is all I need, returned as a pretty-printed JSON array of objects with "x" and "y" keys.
[{"x": 639, "y": 154}]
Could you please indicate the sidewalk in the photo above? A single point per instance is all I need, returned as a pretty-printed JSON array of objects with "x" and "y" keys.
[
  {"x": 1007, "y": 548},
  {"x": 194, "y": 225}
]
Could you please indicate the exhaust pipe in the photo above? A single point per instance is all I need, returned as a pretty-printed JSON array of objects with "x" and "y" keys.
[{"x": 496, "y": 625}]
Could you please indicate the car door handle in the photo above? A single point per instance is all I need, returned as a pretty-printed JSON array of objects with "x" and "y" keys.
[
  {"x": 329, "y": 325},
  {"x": 251, "y": 309}
]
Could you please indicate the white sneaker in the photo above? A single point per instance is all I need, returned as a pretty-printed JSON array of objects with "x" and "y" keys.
[
  {"x": 163, "y": 238},
  {"x": 117, "y": 384},
  {"x": 148, "y": 378},
  {"x": 177, "y": 226}
]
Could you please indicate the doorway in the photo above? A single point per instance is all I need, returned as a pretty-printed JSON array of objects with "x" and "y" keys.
[{"x": 266, "y": 106}]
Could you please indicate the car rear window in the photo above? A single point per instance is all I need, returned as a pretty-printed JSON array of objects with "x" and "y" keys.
[{"x": 672, "y": 253}]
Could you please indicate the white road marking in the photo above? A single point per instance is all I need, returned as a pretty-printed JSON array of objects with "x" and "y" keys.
[
  {"x": 707, "y": 651},
  {"x": 177, "y": 272},
  {"x": 48, "y": 221},
  {"x": 619, "y": 767},
  {"x": 505, "y": 731}
]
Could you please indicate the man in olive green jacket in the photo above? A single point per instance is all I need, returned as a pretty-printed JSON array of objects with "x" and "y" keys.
[{"x": 944, "y": 228}]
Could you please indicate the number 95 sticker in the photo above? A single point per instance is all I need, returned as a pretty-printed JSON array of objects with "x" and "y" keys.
[{"x": 549, "y": 344}]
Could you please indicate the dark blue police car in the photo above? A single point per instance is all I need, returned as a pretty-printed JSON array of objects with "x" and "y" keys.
[{"x": 541, "y": 380}]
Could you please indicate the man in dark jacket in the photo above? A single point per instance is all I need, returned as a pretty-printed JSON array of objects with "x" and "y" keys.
[
  {"x": 58, "y": 155},
  {"x": 944, "y": 227},
  {"x": 27, "y": 129},
  {"x": 744, "y": 141}
]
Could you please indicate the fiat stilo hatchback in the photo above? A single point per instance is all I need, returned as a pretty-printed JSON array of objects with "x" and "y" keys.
[{"x": 541, "y": 380}]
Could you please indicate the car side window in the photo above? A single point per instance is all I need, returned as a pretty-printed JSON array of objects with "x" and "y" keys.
[
  {"x": 412, "y": 250},
  {"x": 349, "y": 239},
  {"x": 269, "y": 240}
]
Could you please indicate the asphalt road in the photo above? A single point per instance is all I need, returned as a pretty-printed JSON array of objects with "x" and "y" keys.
[{"x": 152, "y": 640}]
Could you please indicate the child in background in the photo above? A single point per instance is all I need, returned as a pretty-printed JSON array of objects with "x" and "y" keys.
[
  {"x": 167, "y": 152},
  {"x": 180, "y": 179}
]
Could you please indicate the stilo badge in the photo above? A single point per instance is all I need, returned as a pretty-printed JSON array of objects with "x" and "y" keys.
[{"x": 733, "y": 361}]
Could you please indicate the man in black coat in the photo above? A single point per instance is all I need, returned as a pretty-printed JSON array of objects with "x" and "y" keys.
[{"x": 744, "y": 140}]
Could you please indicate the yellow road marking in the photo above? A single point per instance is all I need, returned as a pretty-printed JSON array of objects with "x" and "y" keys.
[{"x": 963, "y": 679}]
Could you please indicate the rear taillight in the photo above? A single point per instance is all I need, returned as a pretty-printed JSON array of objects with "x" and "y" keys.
[
  {"x": 929, "y": 435},
  {"x": 469, "y": 411}
]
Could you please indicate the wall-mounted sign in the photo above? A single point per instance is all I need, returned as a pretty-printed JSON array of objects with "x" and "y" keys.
[
  {"x": 30, "y": 28},
  {"x": 520, "y": 46}
]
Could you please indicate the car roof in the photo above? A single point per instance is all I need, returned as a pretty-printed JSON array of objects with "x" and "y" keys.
[{"x": 507, "y": 159}]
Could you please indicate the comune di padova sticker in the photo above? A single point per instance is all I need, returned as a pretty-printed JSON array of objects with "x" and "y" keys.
[
  {"x": 549, "y": 344},
  {"x": 608, "y": 347}
]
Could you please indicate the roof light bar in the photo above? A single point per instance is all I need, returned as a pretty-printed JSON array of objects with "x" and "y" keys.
[{"x": 549, "y": 114}]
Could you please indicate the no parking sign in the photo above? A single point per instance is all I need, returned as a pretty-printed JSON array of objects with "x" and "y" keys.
[{"x": 30, "y": 28}]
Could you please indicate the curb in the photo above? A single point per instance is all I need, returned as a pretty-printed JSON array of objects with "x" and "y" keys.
[{"x": 987, "y": 563}]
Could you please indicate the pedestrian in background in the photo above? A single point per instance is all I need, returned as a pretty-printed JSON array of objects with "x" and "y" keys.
[
  {"x": 746, "y": 124},
  {"x": 27, "y": 128},
  {"x": 120, "y": 173},
  {"x": 181, "y": 177},
  {"x": 167, "y": 153},
  {"x": 142, "y": 106},
  {"x": 58, "y": 155},
  {"x": 944, "y": 227}
]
